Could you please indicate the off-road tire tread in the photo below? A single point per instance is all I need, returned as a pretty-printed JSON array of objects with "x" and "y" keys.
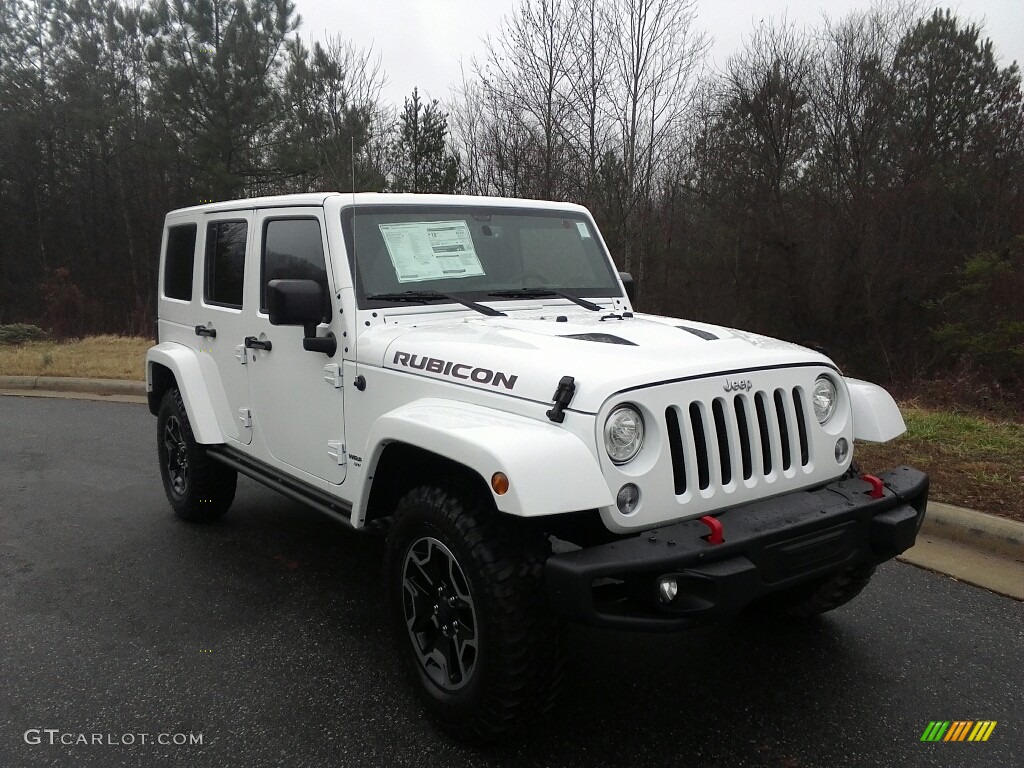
[
  {"x": 525, "y": 672},
  {"x": 835, "y": 591},
  {"x": 211, "y": 485}
]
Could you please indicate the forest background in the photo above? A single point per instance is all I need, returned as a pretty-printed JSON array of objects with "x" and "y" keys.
[{"x": 856, "y": 186}]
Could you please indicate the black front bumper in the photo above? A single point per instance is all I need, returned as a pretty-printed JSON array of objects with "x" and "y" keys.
[{"x": 768, "y": 546}]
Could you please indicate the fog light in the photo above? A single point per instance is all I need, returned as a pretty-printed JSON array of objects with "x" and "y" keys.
[
  {"x": 628, "y": 499},
  {"x": 668, "y": 588},
  {"x": 842, "y": 450}
]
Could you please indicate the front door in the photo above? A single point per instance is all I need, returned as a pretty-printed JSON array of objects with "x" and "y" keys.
[{"x": 297, "y": 396}]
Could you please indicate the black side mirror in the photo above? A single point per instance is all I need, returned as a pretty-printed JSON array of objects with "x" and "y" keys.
[
  {"x": 627, "y": 283},
  {"x": 295, "y": 302},
  {"x": 301, "y": 302}
]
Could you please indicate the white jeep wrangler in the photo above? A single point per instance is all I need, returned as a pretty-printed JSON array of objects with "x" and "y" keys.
[{"x": 468, "y": 375}]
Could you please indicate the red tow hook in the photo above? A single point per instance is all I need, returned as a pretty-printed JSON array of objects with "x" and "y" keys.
[
  {"x": 876, "y": 486},
  {"x": 717, "y": 532}
]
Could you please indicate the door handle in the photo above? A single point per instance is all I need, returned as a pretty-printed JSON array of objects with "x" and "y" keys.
[
  {"x": 202, "y": 330},
  {"x": 251, "y": 342}
]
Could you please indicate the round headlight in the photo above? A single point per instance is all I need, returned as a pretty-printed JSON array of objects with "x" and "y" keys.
[
  {"x": 824, "y": 399},
  {"x": 623, "y": 434}
]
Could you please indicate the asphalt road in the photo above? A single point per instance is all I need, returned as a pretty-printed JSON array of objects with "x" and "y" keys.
[{"x": 265, "y": 634}]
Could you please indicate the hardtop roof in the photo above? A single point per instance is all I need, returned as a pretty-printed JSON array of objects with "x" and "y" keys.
[{"x": 369, "y": 198}]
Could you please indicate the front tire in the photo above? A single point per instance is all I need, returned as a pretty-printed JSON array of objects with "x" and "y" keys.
[
  {"x": 821, "y": 596},
  {"x": 468, "y": 610},
  {"x": 198, "y": 488}
]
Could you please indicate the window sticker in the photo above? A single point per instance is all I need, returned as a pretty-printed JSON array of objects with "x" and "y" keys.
[
  {"x": 582, "y": 227},
  {"x": 431, "y": 250}
]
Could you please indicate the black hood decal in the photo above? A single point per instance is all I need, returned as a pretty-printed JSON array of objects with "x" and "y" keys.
[
  {"x": 706, "y": 335},
  {"x": 605, "y": 338}
]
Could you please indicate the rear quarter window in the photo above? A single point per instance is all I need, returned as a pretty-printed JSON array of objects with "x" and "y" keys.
[{"x": 178, "y": 261}]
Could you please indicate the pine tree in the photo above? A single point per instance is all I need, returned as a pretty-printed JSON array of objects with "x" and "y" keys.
[
  {"x": 422, "y": 160},
  {"x": 216, "y": 69}
]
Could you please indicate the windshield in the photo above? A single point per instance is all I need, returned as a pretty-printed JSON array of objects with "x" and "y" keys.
[{"x": 473, "y": 253}]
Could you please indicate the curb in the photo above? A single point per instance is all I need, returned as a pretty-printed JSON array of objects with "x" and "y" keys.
[
  {"x": 77, "y": 385},
  {"x": 977, "y": 530}
]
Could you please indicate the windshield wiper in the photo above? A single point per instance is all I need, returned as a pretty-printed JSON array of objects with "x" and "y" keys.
[
  {"x": 425, "y": 297},
  {"x": 540, "y": 293}
]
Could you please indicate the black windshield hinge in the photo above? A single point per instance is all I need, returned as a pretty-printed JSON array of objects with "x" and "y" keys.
[{"x": 562, "y": 397}]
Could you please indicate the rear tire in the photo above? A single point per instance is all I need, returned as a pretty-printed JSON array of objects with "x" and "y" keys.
[
  {"x": 469, "y": 612},
  {"x": 198, "y": 488}
]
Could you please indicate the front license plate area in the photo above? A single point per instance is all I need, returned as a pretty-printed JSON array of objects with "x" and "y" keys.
[{"x": 809, "y": 553}]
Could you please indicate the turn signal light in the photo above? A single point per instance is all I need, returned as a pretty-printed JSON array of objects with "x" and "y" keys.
[{"x": 499, "y": 482}]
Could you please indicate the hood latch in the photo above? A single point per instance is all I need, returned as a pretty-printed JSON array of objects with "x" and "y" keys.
[{"x": 562, "y": 397}]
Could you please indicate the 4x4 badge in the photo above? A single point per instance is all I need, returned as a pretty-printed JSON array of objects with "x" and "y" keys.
[{"x": 740, "y": 385}]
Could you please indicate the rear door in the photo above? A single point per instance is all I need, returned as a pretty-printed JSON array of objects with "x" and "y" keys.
[
  {"x": 297, "y": 396},
  {"x": 222, "y": 352}
]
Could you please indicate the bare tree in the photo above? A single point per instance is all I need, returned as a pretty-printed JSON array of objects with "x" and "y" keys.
[
  {"x": 468, "y": 113},
  {"x": 655, "y": 51},
  {"x": 526, "y": 75},
  {"x": 592, "y": 126},
  {"x": 853, "y": 93}
]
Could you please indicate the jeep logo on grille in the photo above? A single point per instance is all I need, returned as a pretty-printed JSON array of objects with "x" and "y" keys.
[{"x": 739, "y": 385}]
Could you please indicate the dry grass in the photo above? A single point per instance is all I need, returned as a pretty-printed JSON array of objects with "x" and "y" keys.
[
  {"x": 974, "y": 461},
  {"x": 96, "y": 357}
]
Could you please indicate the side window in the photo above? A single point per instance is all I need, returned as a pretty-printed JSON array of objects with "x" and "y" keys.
[
  {"x": 181, "y": 251},
  {"x": 293, "y": 250},
  {"x": 225, "y": 262}
]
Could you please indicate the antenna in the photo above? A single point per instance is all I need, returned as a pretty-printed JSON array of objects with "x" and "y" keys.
[{"x": 358, "y": 381}]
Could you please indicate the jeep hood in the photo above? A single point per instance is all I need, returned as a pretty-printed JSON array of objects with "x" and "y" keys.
[{"x": 526, "y": 354}]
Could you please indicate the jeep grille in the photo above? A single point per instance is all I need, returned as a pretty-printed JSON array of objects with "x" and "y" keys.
[{"x": 745, "y": 438}]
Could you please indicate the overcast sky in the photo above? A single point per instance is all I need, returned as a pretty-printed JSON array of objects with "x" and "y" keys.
[{"x": 422, "y": 42}]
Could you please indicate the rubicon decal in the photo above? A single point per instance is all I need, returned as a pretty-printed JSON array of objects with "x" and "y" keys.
[
  {"x": 958, "y": 730},
  {"x": 455, "y": 370}
]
